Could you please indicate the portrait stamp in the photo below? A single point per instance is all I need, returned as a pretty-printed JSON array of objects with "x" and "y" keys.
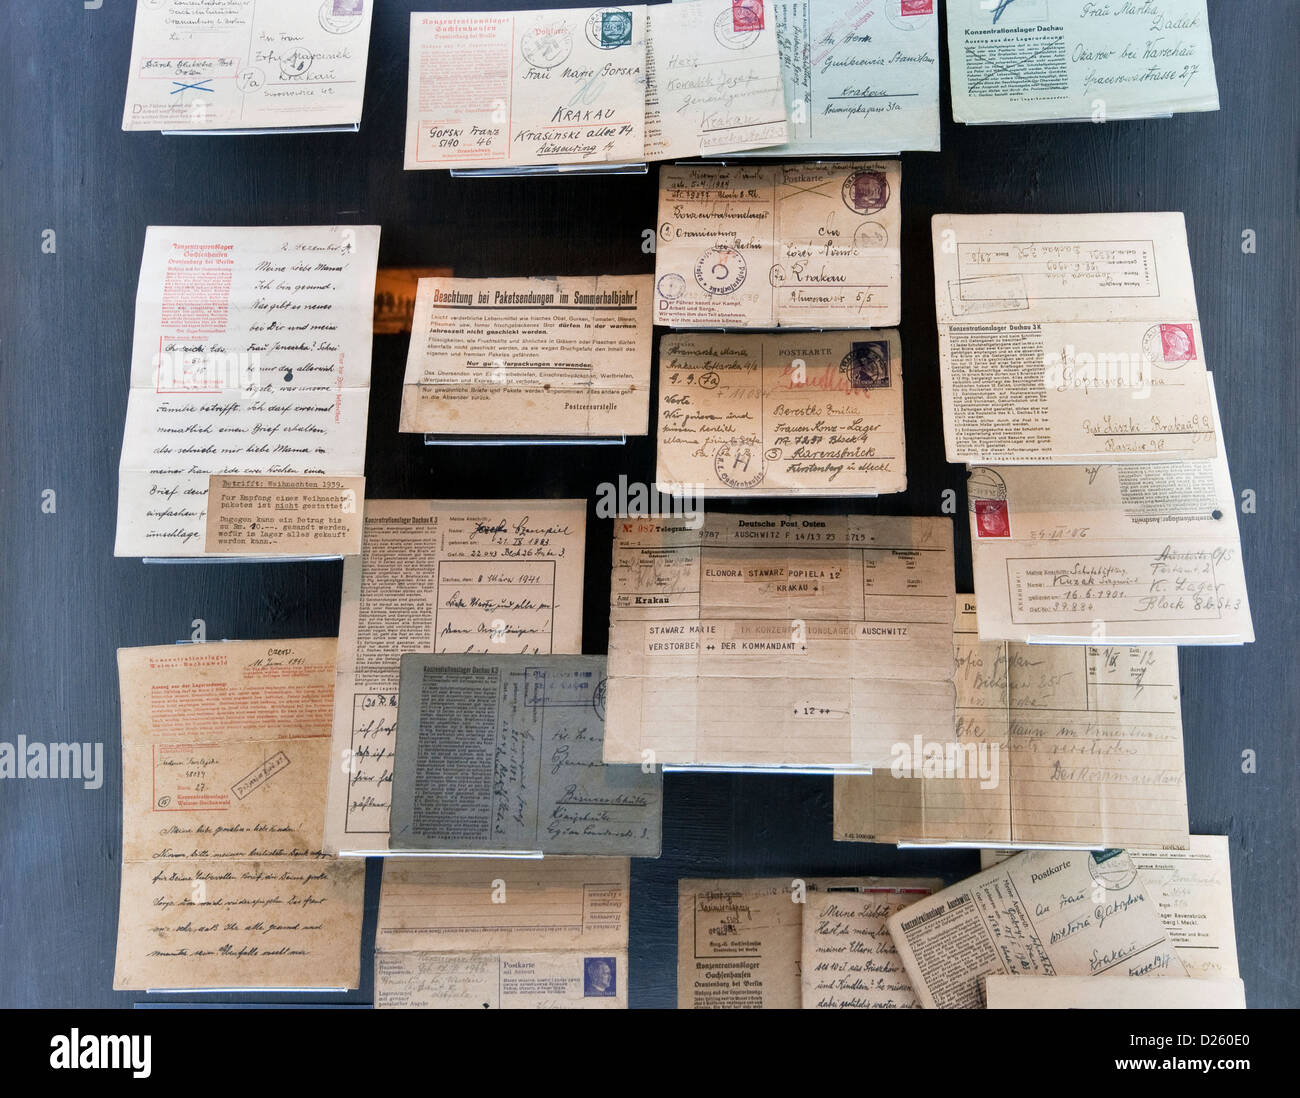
[
  {"x": 296, "y": 62},
  {"x": 916, "y": 7},
  {"x": 1168, "y": 346},
  {"x": 867, "y": 364},
  {"x": 724, "y": 30},
  {"x": 991, "y": 518},
  {"x": 259, "y": 777},
  {"x": 599, "y": 977},
  {"x": 341, "y": 16},
  {"x": 721, "y": 270},
  {"x": 746, "y": 15},
  {"x": 546, "y": 45},
  {"x": 739, "y": 467},
  {"x": 866, "y": 192},
  {"x": 1112, "y": 869},
  {"x": 672, "y": 286},
  {"x": 610, "y": 28}
]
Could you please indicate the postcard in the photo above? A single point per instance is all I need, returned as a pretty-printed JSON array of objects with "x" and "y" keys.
[
  {"x": 224, "y": 884},
  {"x": 249, "y": 65},
  {"x": 861, "y": 79},
  {"x": 714, "y": 82},
  {"x": 1067, "y": 745},
  {"x": 849, "y": 960},
  {"x": 530, "y": 356},
  {"x": 781, "y": 245},
  {"x": 519, "y": 88},
  {"x": 1117, "y": 993},
  {"x": 818, "y": 414},
  {"x": 1040, "y": 913},
  {"x": 503, "y": 753},
  {"x": 503, "y": 933},
  {"x": 251, "y": 358},
  {"x": 1070, "y": 339},
  {"x": 1120, "y": 554},
  {"x": 439, "y": 576},
  {"x": 1041, "y": 61},
  {"x": 802, "y": 641}
]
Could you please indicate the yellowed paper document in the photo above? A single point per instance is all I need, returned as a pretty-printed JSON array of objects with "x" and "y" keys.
[
  {"x": 1066, "y": 745},
  {"x": 818, "y": 414},
  {"x": 1070, "y": 339},
  {"x": 285, "y": 516},
  {"x": 224, "y": 884},
  {"x": 804, "y": 641},
  {"x": 849, "y": 959},
  {"x": 502, "y": 576},
  {"x": 1115, "y": 993},
  {"x": 812, "y": 245},
  {"x": 1040, "y": 913},
  {"x": 530, "y": 356}
]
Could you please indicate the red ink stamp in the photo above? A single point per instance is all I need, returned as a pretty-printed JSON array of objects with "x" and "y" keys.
[
  {"x": 746, "y": 15},
  {"x": 917, "y": 7},
  {"x": 1176, "y": 342},
  {"x": 991, "y": 520}
]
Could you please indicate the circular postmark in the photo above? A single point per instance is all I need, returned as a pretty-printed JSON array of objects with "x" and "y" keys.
[
  {"x": 1168, "y": 346},
  {"x": 866, "y": 366},
  {"x": 907, "y": 15},
  {"x": 672, "y": 286},
  {"x": 609, "y": 28},
  {"x": 871, "y": 234},
  {"x": 546, "y": 45},
  {"x": 251, "y": 79},
  {"x": 724, "y": 30},
  {"x": 296, "y": 62},
  {"x": 866, "y": 192},
  {"x": 598, "y": 699},
  {"x": 739, "y": 467},
  {"x": 1112, "y": 869},
  {"x": 985, "y": 484},
  {"x": 340, "y": 17},
  {"x": 721, "y": 270}
]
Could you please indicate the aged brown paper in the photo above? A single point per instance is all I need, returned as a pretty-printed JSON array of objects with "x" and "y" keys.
[
  {"x": 285, "y": 516},
  {"x": 805, "y": 641},
  {"x": 1115, "y": 993},
  {"x": 1040, "y": 913},
  {"x": 224, "y": 885},
  {"x": 502, "y": 576},
  {"x": 790, "y": 245},
  {"x": 503, "y": 933},
  {"x": 1131, "y": 554},
  {"x": 818, "y": 414},
  {"x": 1070, "y": 339},
  {"x": 849, "y": 959},
  {"x": 530, "y": 356},
  {"x": 1062, "y": 745}
]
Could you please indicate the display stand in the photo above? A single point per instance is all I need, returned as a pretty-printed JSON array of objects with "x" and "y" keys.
[
  {"x": 552, "y": 170},
  {"x": 354, "y": 127},
  {"x": 524, "y": 440},
  {"x": 217, "y": 558}
]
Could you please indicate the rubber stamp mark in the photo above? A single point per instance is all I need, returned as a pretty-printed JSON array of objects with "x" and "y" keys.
[
  {"x": 867, "y": 364},
  {"x": 260, "y": 776}
]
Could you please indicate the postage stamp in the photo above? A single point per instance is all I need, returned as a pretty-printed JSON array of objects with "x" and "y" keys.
[
  {"x": 609, "y": 28},
  {"x": 726, "y": 32},
  {"x": 866, "y": 192},
  {"x": 1112, "y": 869},
  {"x": 599, "y": 977},
  {"x": 349, "y": 7},
  {"x": 916, "y": 7},
  {"x": 746, "y": 15},
  {"x": 991, "y": 519},
  {"x": 721, "y": 270},
  {"x": 341, "y": 16},
  {"x": 739, "y": 467},
  {"x": 867, "y": 364},
  {"x": 1177, "y": 342},
  {"x": 546, "y": 45}
]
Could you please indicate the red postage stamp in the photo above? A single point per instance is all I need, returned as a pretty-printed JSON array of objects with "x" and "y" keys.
[
  {"x": 991, "y": 519},
  {"x": 746, "y": 15},
  {"x": 917, "y": 7},
  {"x": 1176, "y": 342}
]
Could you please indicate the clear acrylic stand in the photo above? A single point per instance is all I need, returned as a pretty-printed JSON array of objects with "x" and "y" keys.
[
  {"x": 217, "y": 558},
  {"x": 553, "y": 170},
  {"x": 261, "y": 131},
  {"x": 524, "y": 440}
]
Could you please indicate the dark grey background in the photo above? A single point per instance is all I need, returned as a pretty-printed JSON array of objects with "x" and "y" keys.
[{"x": 66, "y": 604}]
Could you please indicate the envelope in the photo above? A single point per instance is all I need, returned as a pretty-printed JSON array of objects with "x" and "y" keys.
[
  {"x": 785, "y": 245},
  {"x": 785, "y": 641},
  {"x": 1040, "y": 913},
  {"x": 819, "y": 414},
  {"x": 1039, "y": 61},
  {"x": 257, "y": 65},
  {"x": 1070, "y": 339},
  {"x": 514, "y": 88},
  {"x": 530, "y": 356},
  {"x": 1120, "y": 554},
  {"x": 1069, "y": 745}
]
